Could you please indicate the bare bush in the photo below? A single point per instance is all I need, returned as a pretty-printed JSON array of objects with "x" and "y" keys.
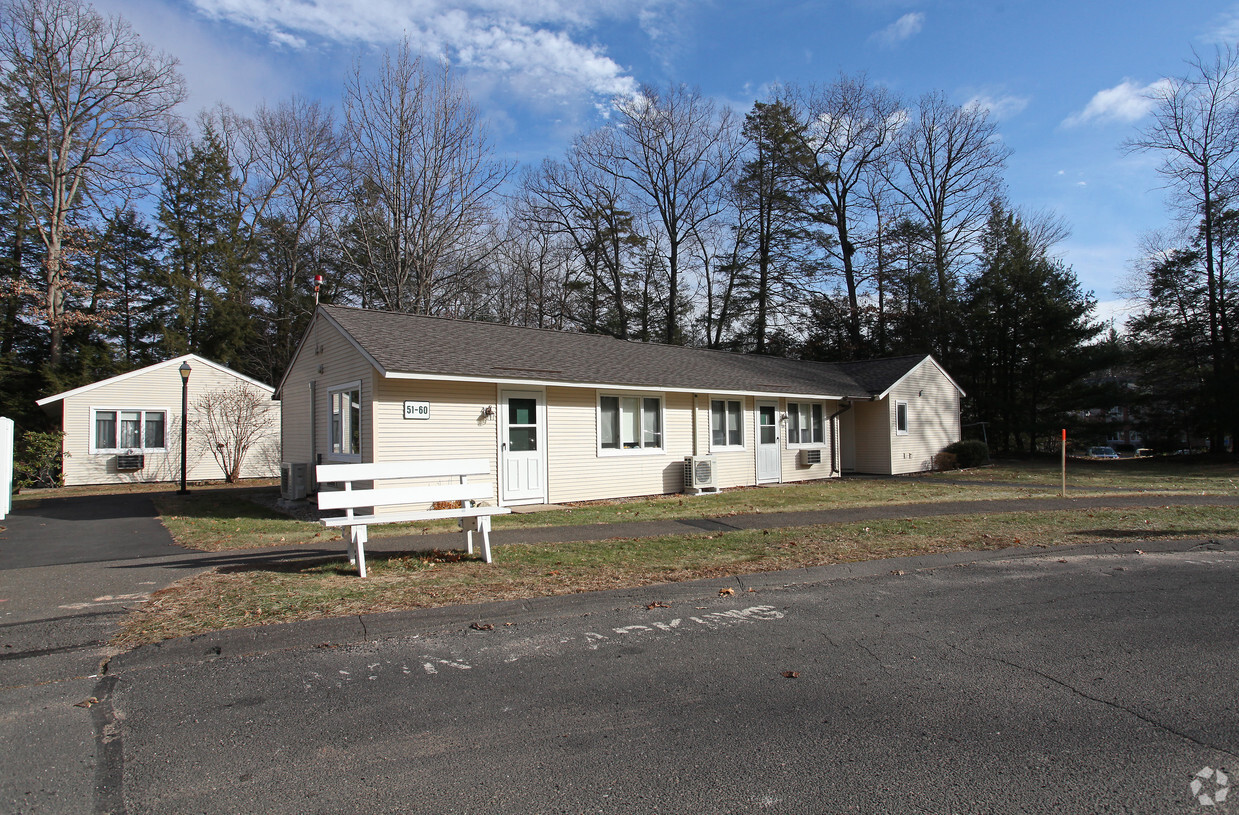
[{"x": 229, "y": 422}]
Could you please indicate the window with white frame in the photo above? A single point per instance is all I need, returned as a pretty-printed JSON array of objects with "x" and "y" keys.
[
  {"x": 630, "y": 422},
  {"x": 124, "y": 429},
  {"x": 346, "y": 421},
  {"x": 804, "y": 423},
  {"x": 901, "y": 418},
  {"x": 726, "y": 423}
]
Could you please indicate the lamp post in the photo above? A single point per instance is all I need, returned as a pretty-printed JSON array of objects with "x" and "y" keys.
[{"x": 185, "y": 371}]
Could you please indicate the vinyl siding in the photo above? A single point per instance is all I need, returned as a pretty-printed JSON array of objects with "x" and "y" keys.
[
  {"x": 874, "y": 425},
  {"x": 933, "y": 418},
  {"x": 793, "y": 470},
  {"x": 736, "y": 467},
  {"x": 159, "y": 389},
  {"x": 327, "y": 360},
  {"x": 579, "y": 472}
]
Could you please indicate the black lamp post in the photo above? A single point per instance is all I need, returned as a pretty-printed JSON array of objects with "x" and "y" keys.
[{"x": 185, "y": 371}]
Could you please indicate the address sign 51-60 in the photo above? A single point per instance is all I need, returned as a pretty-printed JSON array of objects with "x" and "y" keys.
[{"x": 417, "y": 410}]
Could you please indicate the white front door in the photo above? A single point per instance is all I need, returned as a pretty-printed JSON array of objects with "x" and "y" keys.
[
  {"x": 769, "y": 460},
  {"x": 522, "y": 447}
]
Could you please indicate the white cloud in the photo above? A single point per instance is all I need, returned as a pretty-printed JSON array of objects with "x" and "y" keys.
[
  {"x": 906, "y": 27},
  {"x": 1126, "y": 102},
  {"x": 1117, "y": 311},
  {"x": 530, "y": 44},
  {"x": 1225, "y": 30},
  {"x": 1000, "y": 107}
]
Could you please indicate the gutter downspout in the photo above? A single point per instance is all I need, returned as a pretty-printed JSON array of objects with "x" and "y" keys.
[{"x": 834, "y": 438}]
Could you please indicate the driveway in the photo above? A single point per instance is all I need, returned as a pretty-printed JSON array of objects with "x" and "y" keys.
[{"x": 83, "y": 529}]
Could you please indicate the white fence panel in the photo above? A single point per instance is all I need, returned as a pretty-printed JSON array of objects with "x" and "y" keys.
[{"x": 6, "y": 467}]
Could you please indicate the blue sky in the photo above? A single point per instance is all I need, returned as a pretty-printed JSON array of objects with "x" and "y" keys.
[{"x": 1063, "y": 79}]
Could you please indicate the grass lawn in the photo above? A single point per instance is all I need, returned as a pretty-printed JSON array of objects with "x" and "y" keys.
[
  {"x": 217, "y": 520},
  {"x": 250, "y": 595}
]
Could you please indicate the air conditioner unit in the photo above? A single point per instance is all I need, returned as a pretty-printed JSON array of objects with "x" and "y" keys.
[
  {"x": 294, "y": 480},
  {"x": 810, "y": 457},
  {"x": 700, "y": 474}
]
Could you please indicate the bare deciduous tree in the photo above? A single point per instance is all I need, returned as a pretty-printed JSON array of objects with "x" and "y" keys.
[
  {"x": 229, "y": 423},
  {"x": 678, "y": 149},
  {"x": 96, "y": 92},
  {"x": 421, "y": 175},
  {"x": 948, "y": 167},
  {"x": 849, "y": 128},
  {"x": 1195, "y": 129}
]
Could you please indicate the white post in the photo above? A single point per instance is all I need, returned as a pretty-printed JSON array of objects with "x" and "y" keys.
[{"x": 6, "y": 467}]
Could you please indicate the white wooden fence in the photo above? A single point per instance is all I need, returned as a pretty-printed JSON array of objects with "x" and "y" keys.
[{"x": 6, "y": 467}]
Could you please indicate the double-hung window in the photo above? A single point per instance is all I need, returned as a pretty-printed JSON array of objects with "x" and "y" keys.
[
  {"x": 630, "y": 422},
  {"x": 346, "y": 421},
  {"x": 726, "y": 423},
  {"x": 804, "y": 423},
  {"x": 132, "y": 429}
]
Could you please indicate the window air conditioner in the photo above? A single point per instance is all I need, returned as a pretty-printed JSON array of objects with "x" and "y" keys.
[
  {"x": 294, "y": 480},
  {"x": 810, "y": 457},
  {"x": 700, "y": 474}
]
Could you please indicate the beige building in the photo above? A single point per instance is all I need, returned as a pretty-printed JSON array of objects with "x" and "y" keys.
[
  {"x": 128, "y": 428},
  {"x": 572, "y": 417}
]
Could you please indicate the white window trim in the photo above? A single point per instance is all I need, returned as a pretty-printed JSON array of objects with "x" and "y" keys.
[
  {"x": 331, "y": 392},
  {"x": 806, "y": 445},
  {"x": 638, "y": 451},
  {"x": 907, "y": 415},
  {"x": 103, "y": 451},
  {"x": 724, "y": 448}
]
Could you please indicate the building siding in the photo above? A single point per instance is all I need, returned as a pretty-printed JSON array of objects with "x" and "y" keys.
[
  {"x": 933, "y": 418},
  {"x": 793, "y": 470},
  {"x": 327, "y": 359},
  {"x": 578, "y": 471},
  {"x": 159, "y": 389},
  {"x": 872, "y": 424}
]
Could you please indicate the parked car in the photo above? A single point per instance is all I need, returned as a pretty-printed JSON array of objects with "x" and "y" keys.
[
  {"x": 1144, "y": 452},
  {"x": 1102, "y": 452}
]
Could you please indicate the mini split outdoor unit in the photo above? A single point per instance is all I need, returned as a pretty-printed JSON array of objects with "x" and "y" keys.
[
  {"x": 294, "y": 480},
  {"x": 700, "y": 474}
]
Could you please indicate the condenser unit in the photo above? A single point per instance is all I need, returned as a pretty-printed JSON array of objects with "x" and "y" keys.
[
  {"x": 810, "y": 457},
  {"x": 700, "y": 474},
  {"x": 294, "y": 480}
]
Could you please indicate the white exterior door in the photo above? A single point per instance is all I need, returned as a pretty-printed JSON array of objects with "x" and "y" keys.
[
  {"x": 522, "y": 447},
  {"x": 769, "y": 461}
]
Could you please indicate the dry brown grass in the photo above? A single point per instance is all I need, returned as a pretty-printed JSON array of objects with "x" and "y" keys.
[{"x": 257, "y": 595}]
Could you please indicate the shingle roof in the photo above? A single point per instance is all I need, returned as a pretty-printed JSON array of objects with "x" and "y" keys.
[{"x": 414, "y": 345}]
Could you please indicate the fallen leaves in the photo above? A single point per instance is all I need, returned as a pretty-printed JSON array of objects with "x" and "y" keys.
[
  {"x": 652, "y": 606},
  {"x": 91, "y": 702},
  {"x": 726, "y": 592},
  {"x": 791, "y": 674},
  {"x": 482, "y": 627}
]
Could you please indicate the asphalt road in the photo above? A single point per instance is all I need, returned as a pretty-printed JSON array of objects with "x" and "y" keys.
[{"x": 1061, "y": 683}]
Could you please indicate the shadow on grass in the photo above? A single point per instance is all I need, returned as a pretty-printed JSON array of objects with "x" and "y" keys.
[
  {"x": 337, "y": 565},
  {"x": 1145, "y": 534}
]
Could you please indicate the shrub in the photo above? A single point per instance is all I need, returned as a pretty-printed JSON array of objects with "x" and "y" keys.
[
  {"x": 969, "y": 453},
  {"x": 37, "y": 460},
  {"x": 945, "y": 461}
]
